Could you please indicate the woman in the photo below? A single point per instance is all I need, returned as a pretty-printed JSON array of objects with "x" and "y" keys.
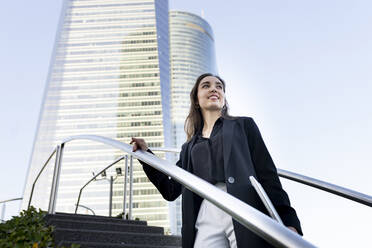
[{"x": 225, "y": 151}]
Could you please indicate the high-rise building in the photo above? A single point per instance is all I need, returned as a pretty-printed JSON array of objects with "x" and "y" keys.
[
  {"x": 192, "y": 53},
  {"x": 109, "y": 76}
]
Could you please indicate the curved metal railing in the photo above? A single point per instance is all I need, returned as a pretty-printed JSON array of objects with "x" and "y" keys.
[
  {"x": 4, "y": 206},
  {"x": 95, "y": 177},
  {"x": 87, "y": 208},
  {"x": 13, "y": 199},
  {"x": 313, "y": 182},
  {"x": 38, "y": 175},
  {"x": 259, "y": 223},
  {"x": 328, "y": 187}
]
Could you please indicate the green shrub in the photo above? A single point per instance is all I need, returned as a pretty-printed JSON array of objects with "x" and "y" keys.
[
  {"x": 27, "y": 230},
  {"x": 120, "y": 216}
]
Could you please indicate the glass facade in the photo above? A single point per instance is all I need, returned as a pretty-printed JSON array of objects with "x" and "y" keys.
[
  {"x": 119, "y": 69},
  {"x": 109, "y": 76},
  {"x": 192, "y": 53}
]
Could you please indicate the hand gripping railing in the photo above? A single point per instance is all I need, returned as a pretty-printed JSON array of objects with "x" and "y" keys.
[
  {"x": 254, "y": 220},
  {"x": 328, "y": 187}
]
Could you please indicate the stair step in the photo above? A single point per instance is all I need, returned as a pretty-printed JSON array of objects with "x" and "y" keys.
[
  {"x": 100, "y": 226},
  {"x": 88, "y": 244},
  {"x": 83, "y": 217},
  {"x": 125, "y": 238}
]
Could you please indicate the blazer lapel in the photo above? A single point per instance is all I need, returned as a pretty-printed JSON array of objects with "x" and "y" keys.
[
  {"x": 227, "y": 134},
  {"x": 189, "y": 147}
]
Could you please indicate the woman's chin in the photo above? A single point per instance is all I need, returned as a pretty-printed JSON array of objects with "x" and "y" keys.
[{"x": 213, "y": 107}]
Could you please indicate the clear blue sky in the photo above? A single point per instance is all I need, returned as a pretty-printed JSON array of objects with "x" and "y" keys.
[{"x": 301, "y": 69}]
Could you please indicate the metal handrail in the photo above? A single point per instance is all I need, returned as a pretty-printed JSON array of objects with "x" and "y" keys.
[
  {"x": 246, "y": 215},
  {"x": 86, "y": 208},
  {"x": 9, "y": 200},
  {"x": 328, "y": 187},
  {"x": 38, "y": 175},
  {"x": 3, "y": 210},
  {"x": 310, "y": 181},
  {"x": 93, "y": 178}
]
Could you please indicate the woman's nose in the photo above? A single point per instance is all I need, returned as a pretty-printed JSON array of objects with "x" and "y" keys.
[{"x": 213, "y": 89}]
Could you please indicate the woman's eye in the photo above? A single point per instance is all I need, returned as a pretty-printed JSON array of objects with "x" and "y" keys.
[
  {"x": 219, "y": 86},
  {"x": 205, "y": 86}
]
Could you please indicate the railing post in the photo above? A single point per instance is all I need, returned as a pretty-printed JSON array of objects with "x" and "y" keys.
[
  {"x": 37, "y": 177},
  {"x": 111, "y": 186},
  {"x": 78, "y": 201},
  {"x": 55, "y": 182},
  {"x": 3, "y": 213},
  {"x": 125, "y": 185},
  {"x": 130, "y": 188}
]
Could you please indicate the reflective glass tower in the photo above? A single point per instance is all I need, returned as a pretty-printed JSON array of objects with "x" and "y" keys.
[
  {"x": 192, "y": 53},
  {"x": 119, "y": 69},
  {"x": 109, "y": 76}
]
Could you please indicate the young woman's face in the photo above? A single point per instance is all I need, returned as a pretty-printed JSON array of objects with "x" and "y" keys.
[{"x": 211, "y": 96}]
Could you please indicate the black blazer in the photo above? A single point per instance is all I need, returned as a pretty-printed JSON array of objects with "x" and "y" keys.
[{"x": 244, "y": 154}]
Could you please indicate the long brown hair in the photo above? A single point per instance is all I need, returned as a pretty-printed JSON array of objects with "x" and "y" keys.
[{"x": 194, "y": 120}]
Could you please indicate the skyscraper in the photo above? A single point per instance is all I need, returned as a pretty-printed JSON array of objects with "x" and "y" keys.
[
  {"x": 109, "y": 76},
  {"x": 192, "y": 53}
]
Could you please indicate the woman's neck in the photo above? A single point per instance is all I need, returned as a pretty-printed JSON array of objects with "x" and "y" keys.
[{"x": 210, "y": 118}]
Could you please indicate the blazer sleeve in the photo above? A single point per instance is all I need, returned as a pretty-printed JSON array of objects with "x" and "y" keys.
[
  {"x": 168, "y": 188},
  {"x": 268, "y": 177}
]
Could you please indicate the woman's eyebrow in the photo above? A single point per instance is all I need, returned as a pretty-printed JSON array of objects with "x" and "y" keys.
[{"x": 205, "y": 82}]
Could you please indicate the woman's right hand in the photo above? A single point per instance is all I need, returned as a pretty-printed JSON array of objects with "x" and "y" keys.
[{"x": 138, "y": 144}]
